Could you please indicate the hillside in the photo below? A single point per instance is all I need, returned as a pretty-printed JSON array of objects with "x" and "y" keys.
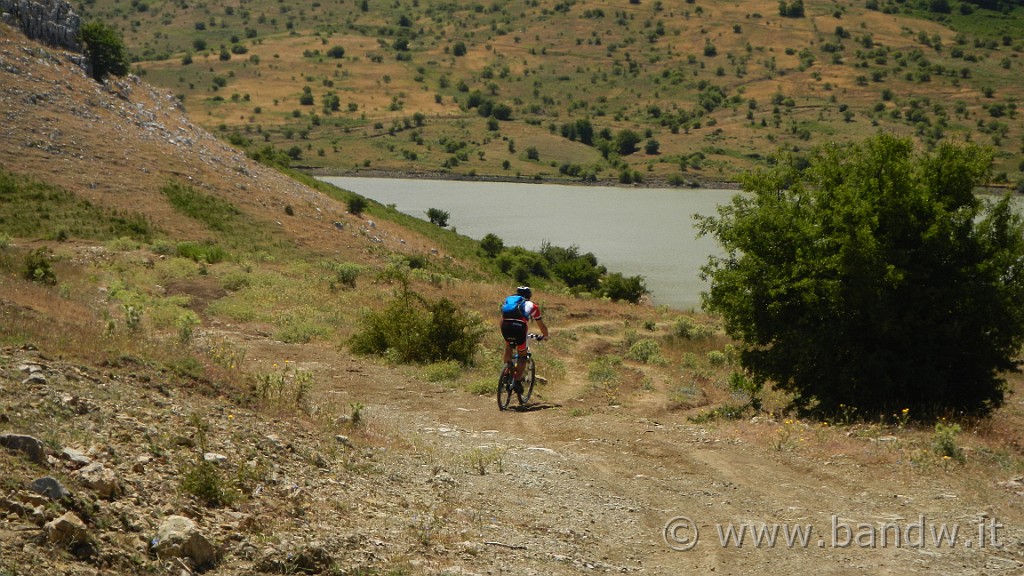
[
  {"x": 177, "y": 395},
  {"x": 665, "y": 92}
]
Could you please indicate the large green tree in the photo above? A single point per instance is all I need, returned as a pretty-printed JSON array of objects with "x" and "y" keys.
[
  {"x": 872, "y": 277},
  {"x": 105, "y": 49}
]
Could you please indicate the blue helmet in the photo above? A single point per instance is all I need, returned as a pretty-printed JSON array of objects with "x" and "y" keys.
[{"x": 525, "y": 292}]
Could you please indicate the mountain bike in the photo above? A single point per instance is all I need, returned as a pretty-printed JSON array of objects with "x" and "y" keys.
[{"x": 506, "y": 382}]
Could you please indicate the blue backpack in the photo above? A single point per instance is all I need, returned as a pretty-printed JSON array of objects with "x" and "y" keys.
[{"x": 513, "y": 307}]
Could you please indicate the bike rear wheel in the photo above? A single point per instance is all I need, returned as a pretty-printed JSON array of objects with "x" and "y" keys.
[
  {"x": 529, "y": 377},
  {"x": 505, "y": 381}
]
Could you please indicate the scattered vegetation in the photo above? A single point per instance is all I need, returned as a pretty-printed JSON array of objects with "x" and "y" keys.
[
  {"x": 661, "y": 95},
  {"x": 482, "y": 459},
  {"x": 580, "y": 272}
]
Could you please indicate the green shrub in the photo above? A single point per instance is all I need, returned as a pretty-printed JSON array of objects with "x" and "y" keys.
[
  {"x": 344, "y": 275},
  {"x": 717, "y": 358},
  {"x": 945, "y": 442},
  {"x": 576, "y": 269},
  {"x": 686, "y": 328},
  {"x": 492, "y": 245},
  {"x": 202, "y": 478},
  {"x": 579, "y": 273},
  {"x": 164, "y": 248},
  {"x": 205, "y": 481},
  {"x": 740, "y": 383},
  {"x": 480, "y": 387},
  {"x": 187, "y": 323},
  {"x": 122, "y": 244},
  {"x": 438, "y": 217},
  {"x": 187, "y": 367},
  {"x": 453, "y": 334},
  {"x": 604, "y": 369},
  {"x": 521, "y": 264},
  {"x": 37, "y": 267},
  {"x": 208, "y": 252},
  {"x": 410, "y": 330},
  {"x": 356, "y": 414},
  {"x": 132, "y": 317},
  {"x": 356, "y": 205},
  {"x": 297, "y": 331},
  {"x": 645, "y": 350},
  {"x": 236, "y": 281},
  {"x": 618, "y": 287},
  {"x": 913, "y": 302}
]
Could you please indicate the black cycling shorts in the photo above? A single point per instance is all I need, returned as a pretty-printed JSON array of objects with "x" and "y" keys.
[{"x": 514, "y": 332}]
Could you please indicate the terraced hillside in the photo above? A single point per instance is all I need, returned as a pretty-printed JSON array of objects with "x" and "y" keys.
[{"x": 667, "y": 92}]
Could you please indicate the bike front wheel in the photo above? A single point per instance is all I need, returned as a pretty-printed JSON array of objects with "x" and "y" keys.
[
  {"x": 505, "y": 388},
  {"x": 529, "y": 377}
]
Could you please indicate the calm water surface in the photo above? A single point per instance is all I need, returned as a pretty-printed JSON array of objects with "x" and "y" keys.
[{"x": 636, "y": 231}]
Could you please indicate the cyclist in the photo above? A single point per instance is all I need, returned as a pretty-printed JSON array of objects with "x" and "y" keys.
[{"x": 514, "y": 331}]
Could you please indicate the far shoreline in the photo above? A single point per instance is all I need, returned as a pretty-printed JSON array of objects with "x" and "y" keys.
[{"x": 692, "y": 184}]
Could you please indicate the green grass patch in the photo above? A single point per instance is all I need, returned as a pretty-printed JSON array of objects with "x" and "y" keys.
[
  {"x": 446, "y": 371},
  {"x": 604, "y": 369},
  {"x": 32, "y": 209},
  {"x": 482, "y": 386},
  {"x": 217, "y": 214},
  {"x": 234, "y": 228},
  {"x": 208, "y": 252}
]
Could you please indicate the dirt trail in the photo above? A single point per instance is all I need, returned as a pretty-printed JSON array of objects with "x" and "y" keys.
[
  {"x": 597, "y": 489},
  {"x": 655, "y": 473}
]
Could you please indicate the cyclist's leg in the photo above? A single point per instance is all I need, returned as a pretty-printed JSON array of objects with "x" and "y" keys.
[
  {"x": 521, "y": 364},
  {"x": 514, "y": 332}
]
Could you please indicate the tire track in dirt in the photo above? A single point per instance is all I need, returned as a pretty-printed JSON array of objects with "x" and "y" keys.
[{"x": 597, "y": 487}]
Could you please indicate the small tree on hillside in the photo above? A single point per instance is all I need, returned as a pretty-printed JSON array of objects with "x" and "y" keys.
[
  {"x": 619, "y": 287},
  {"x": 438, "y": 217},
  {"x": 794, "y": 9},
  {"x": 626, "y": 142},
  {"x": 492, "y": 245},
  {"x": 873, "y": 279},
  {"x": 105, "y": 49},
  {"x": 356, "y": 205}
]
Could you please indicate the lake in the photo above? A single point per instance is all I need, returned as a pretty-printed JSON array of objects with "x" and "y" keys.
[{"x": 636, "y": 231}]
